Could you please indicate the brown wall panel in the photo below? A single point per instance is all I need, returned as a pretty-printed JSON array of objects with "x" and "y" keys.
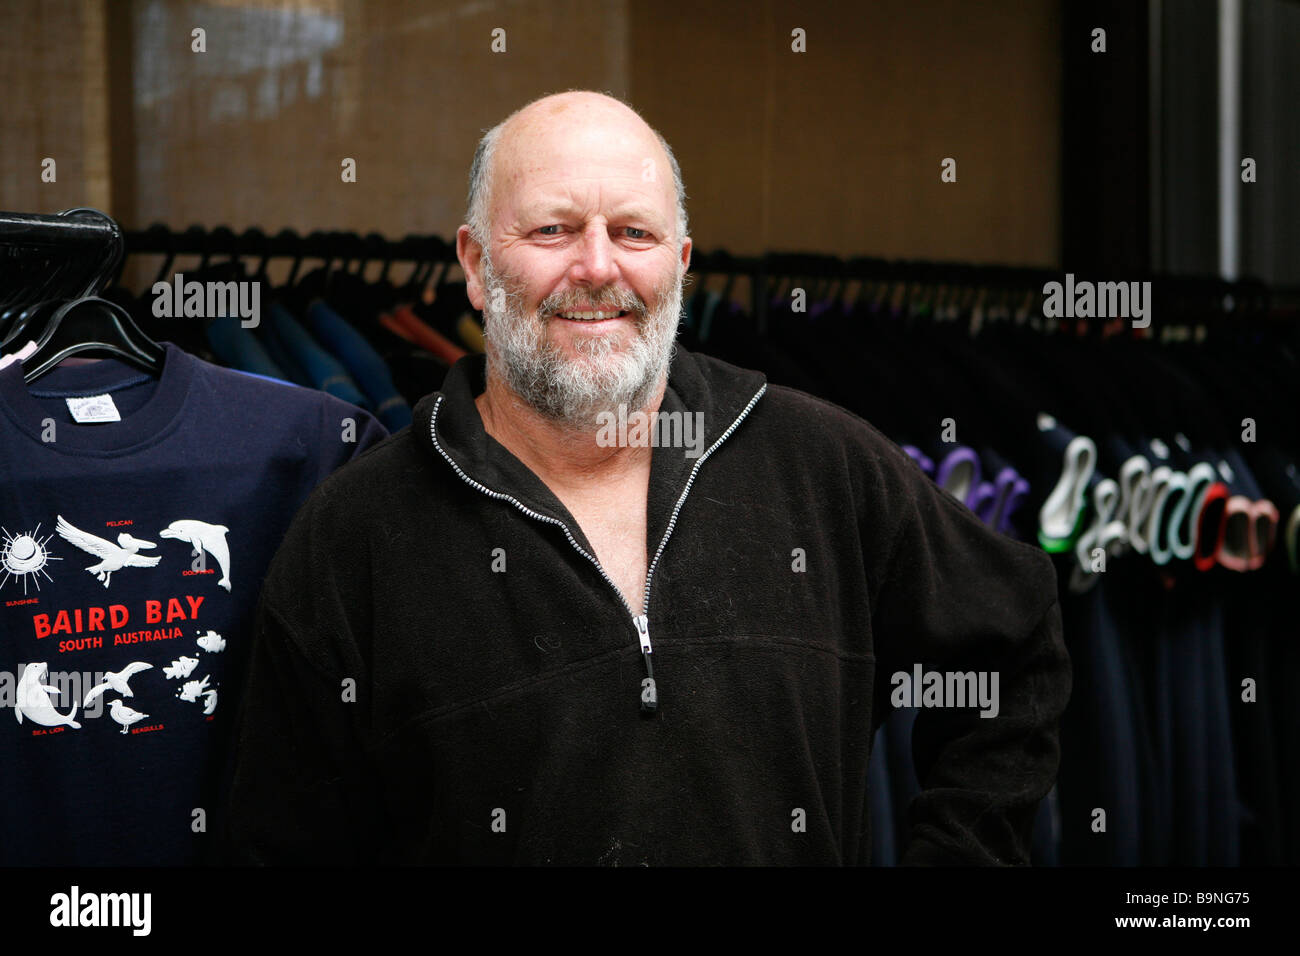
[{"x": 834, "y": 150}]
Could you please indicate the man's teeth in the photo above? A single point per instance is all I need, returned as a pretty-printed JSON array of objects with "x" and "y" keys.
[{"x": 603, "y": 314}]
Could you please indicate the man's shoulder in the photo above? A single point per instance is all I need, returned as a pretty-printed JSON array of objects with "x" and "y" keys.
[
  {"x": 804, "y": 415},
  {"x": 371, "y": 481},
  {"x": 816, "y": 425},
  {"x": 808, "y": 409}
]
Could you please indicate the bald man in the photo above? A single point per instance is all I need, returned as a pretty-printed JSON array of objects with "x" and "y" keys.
[{"x": 608, "y": 602}]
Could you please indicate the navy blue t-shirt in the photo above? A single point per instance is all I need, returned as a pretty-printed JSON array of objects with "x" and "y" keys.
[{"x": 132, "y": 553}]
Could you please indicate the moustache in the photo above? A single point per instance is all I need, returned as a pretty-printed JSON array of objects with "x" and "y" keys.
[{"x": 621, "y": 299}]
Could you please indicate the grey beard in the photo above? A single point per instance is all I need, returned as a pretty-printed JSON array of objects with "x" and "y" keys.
[{"x": 573, "y": 392}]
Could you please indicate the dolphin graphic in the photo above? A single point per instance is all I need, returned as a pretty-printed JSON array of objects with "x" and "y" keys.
[
  {"x": 33, "y": 699},
  {"x": 203, "y": 537}
]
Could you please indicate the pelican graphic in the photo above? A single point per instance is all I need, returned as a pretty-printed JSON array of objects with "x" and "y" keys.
[
  {"x": 33, "y": 699},
  {"x": 124, "y": 715},
  {"x": 203, "y": 537},
  {"x": 117, "y": 680},
  {"x": 114, "y": 557}
]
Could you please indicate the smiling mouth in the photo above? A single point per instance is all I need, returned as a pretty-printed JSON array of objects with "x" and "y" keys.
[{"x": 591, "y": 315}]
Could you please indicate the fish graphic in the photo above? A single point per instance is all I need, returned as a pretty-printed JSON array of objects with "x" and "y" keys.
[
  {"x": 210, "y": 702},
  {"x": 33, "y": 699},
  {"x": 203, "y": 537},
  {"x": 183, "y": 667},
  {"x": 212, "y": 642},
  {"x": 192, "y": 689}
]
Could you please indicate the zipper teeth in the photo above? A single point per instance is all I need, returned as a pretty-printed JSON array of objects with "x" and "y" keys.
[
  {"x": 672, "y": 521},
  {"x": 433, "y": 433}
]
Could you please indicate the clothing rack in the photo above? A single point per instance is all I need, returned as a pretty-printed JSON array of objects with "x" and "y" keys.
[
  {"x": 65, "y": 256},
  {"x": 288, "y": 243},
  {"x": 1238, "y": 300}
]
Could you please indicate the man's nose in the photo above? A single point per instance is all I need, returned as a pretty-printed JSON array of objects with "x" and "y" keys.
[{"x": 593, "y": 262}]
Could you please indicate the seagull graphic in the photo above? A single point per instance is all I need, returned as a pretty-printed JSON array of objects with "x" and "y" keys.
[
  {"x": 124, "y": 715},
  {"x": 114, "y": 557},
  {"x": 116, "y": 680}
]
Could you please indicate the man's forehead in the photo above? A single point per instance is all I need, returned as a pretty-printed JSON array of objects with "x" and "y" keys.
[
  {"x": 615, "y": 189},
  {"x": 622, "y": 199}
]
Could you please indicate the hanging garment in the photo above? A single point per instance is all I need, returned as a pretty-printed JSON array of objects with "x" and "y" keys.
[
  {"x": 133, "y": 555},
  {"x": 22, "y": 353},
  {"x": 323, "y": 370},
  {"x": 1101, "y": 813},
  {"x": 363, "y": 363},
  {"x": 407, "y": 324},
  {"x": 884, "y": 852},
  {"x": 237, "y": 347}
]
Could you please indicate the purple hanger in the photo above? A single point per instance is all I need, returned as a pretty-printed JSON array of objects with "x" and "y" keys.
[
  {"x": 920, "y": 458},
  {"x": 948, "y": 475}
]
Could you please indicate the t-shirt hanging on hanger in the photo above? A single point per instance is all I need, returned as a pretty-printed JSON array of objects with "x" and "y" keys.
[{"x": 137, "y": 518}]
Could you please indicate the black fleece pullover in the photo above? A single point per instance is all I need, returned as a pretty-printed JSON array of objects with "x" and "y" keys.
[{"x": 443, "y": 673}]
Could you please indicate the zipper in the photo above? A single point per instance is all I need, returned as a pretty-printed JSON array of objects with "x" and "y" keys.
[{"x": 641, "y": 622}]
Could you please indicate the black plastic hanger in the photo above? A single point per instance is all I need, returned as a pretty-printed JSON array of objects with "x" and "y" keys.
[{"x": 92, "y": 325}]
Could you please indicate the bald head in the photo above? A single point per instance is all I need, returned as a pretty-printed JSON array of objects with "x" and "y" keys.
[{"x": 562, "y": 134}]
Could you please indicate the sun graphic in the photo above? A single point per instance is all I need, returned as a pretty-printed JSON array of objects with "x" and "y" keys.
[{"x": 23, "y": 555}]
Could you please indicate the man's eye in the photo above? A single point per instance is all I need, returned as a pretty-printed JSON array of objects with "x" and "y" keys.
[
  {"x": 633, "y": 229},
  {"x": 543, "y": 231}
]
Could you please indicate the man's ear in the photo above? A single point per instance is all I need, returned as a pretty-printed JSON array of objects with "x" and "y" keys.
[
  {"x": 687, "y": 245},
  {"x": 470, "y": 254}
]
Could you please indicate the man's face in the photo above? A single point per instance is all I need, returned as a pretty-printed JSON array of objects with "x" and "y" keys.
[
  {"x": 582, "y": 280},
  {"x": 579, "y": 352}
]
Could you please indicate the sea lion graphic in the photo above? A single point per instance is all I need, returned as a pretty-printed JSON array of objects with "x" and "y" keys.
[
  {"x": 203, "y": 537},
  {"x": 33, "y": 699}
]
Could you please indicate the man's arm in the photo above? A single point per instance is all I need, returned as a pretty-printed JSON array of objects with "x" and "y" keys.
[
  {"x": 303, "y": 790},
  {"x": 299, "y": 792},
  {"x": 960, "y": 599}
]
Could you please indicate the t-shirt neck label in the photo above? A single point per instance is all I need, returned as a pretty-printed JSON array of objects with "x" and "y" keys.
[{"x": 93, "y": 409}]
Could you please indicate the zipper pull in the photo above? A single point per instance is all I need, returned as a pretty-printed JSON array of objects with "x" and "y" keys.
[{"x": 649, "y": 694}]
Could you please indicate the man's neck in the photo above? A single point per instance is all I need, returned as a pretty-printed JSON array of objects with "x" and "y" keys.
[{"x": 559, "y": 454}]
